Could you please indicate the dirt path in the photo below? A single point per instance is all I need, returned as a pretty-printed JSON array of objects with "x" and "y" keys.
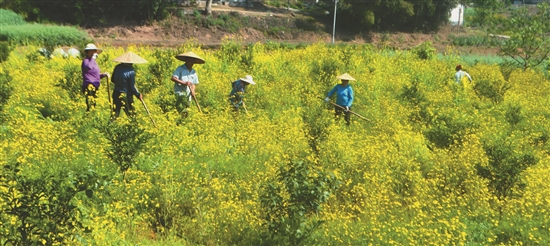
[{"x": 169, "y": 34}]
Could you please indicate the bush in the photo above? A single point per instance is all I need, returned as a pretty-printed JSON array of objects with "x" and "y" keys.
[
  {"x": 42, "y": 206},
  {"x": 72, "y": 81},
  {"x": 475, "y": 40},
  {"x": 506, "y": 164},
  {"x": 5, "y": 89},
  {"x": 37, "y": 34},
  {"x": 127, "y": 138},
  {"x": 5, "y": 50},
  {"x": 9, "y": 18},
  {"x": 291, "y": 218},
  {"x": 489, "y": 85},
  {"x": 425, "y": 51}
]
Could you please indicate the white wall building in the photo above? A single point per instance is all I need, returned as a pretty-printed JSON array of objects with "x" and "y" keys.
[{"x": 457, "y": 15}]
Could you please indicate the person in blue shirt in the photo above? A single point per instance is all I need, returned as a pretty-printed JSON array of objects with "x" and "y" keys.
[
  {"x": 344, "y": 97},
  {"x": 124, "y": 78},
  {"x": 185, "y": 79},
  {"x": 238, "y": 90}
]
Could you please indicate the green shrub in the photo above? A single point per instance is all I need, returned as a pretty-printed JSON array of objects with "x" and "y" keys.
[
  {"x": 72, "y": 81},
  {"x": 127, "y": 138},
  {"x": 413, "y": 93},
  {"x": 6, "y": 89},
  {"x": 445, "y": 129},
  {"x": 513, "y": 114},
  {"x": 292, "y": 201},
  {"x": 5, "y": 50},
  {"x": 48, "y": 36},
  {"x": 492, "y": 90},
  {"x": 507, "y": 162},
  {"x": 475, "y": 40},
  {"x": 43, "y": 206},
  {"x": 9, "y": 18},
  {"x": 425, "y": 50}
]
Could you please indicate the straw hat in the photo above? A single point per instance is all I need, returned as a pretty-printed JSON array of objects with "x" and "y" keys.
[
  {"x": 92, "y": 47},
  {"x": 248, "y": 79},
  {"x": 345, "y": 76},
  {"x": 130, "y": 57},
  {"x": 190, "y": 54}
]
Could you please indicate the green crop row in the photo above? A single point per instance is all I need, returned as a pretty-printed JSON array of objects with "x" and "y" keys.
[
  {"x": 8, "y": 17},
  {"x": 38, "y": 34}
]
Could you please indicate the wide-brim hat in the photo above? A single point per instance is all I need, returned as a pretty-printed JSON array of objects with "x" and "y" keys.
[
  {"x": 248, "y": 79},
  {"x": 130, "y": 57},
  {"x": 345, "y": 76},
  {"x": 185, "y": 56},
  {"x": 92, "y": 47}
]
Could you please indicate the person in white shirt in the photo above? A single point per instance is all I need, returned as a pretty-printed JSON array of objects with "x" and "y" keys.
[
  {"x": 185, "y": 79},
  {"x": 460, "y": 74}
]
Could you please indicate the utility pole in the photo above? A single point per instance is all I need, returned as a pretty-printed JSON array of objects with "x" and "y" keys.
[{"x": 334, "y": 23}]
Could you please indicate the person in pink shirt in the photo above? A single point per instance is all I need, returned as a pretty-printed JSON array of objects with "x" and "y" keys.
[{"x": 91, "y": 75}]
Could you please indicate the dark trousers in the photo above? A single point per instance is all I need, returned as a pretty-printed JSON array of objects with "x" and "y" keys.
[
  {"x": 90, "y": 92},
  {"x": 182, "y": 104},
  {"x": 338, "y": 111},
  {"x": 122, "y": 100}
]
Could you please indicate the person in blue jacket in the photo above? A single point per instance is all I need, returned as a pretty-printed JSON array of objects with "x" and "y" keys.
[
  {"x": 238, "y": 89},
  {"x": 344, "y": 97},
  {"x": 124, "y": 78}
]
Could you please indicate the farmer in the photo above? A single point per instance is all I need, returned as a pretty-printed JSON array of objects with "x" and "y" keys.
[
  {"x": 344, "y": 97},
  {"x": 185, "y": 79},
  {"x": 460, "y": 74},
  {"x": 238, "y": 90},
  {"x": 91, "y": 75},
  {"x": 124, "y": 78}
]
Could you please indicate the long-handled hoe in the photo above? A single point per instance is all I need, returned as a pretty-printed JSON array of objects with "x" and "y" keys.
[
  {"x": 246, "y": 111},
  {"x": 149, "y": 113},
  {"x": 109, "y": 95},
  {"x": 192, "y": 91},
  {"x": 356, "y": 114}
]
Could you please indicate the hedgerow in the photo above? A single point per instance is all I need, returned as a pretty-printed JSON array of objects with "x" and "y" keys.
[{"x": 46, "y": 35}]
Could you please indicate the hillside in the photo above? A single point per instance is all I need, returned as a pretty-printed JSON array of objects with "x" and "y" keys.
[{"x": 265, "y": 24}]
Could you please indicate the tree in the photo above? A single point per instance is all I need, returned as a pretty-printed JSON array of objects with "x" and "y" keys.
[
  {"x": 414, "y": 15},
  {"x": 208, "y": 7},
  {"x": 529, "y": 42},
  {"x": 485, "y": 10}
]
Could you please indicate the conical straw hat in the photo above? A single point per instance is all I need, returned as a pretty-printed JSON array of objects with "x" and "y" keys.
[
  {"x": 190, "y": 54},
  {"x": 345, "y": 76},
  {"x": 130, "y": 57}
]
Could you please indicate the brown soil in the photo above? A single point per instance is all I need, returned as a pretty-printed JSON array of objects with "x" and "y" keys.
[{"x": 171, "y": 32}]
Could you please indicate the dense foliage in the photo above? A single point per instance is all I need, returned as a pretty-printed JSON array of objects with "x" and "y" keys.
[
  {"x": 38, "y": 34},
  {"x": 9, "y": 18},
  {"x": 413, "y": 15},
  {"x": 15, "y": 31},
  {"x": 84, "y": 12},
  {"x": 529, "y": 41},
  {"x": 437, "y": 163},
  {"x": 426, "y": 15}
]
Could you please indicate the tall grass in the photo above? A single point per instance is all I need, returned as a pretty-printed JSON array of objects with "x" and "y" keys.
[
  {"x": 38, "y": 34},
  {"x": 8, "y": 17},
  {"x": 475, "y": 40}
]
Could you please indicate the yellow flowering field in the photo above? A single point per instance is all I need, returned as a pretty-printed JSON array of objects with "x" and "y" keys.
[{"x": 436, "y": 163}]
